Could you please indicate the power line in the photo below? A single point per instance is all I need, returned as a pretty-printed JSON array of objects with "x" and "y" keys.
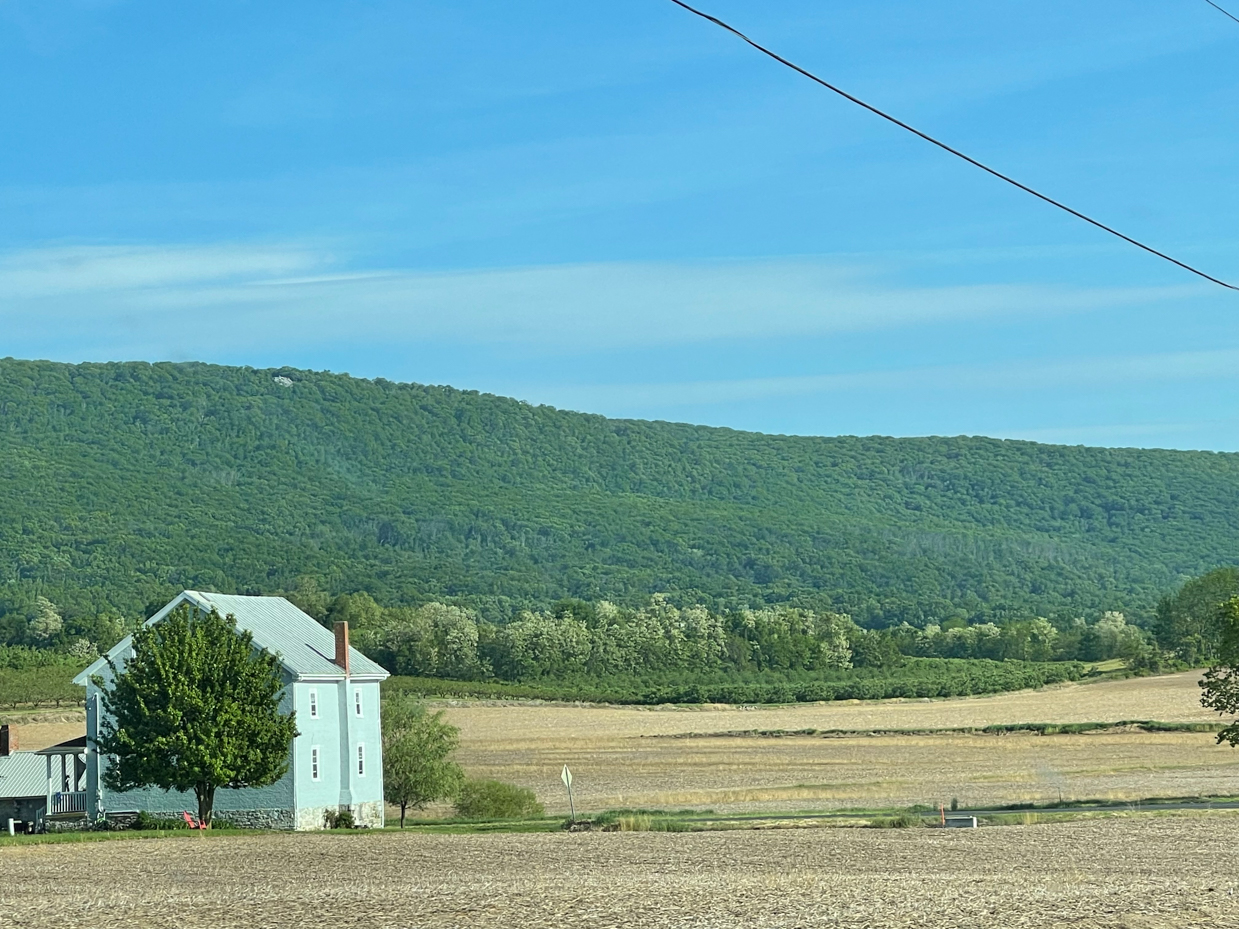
[
  {"x": 1222, "y": 11},
  {"x": 958, "y": 154}
]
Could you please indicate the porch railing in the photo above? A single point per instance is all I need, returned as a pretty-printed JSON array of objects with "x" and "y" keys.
[{"x": 74, "y": 802}]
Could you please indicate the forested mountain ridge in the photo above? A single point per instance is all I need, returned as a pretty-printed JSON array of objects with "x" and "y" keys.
[{"x": 122, "y": 483}]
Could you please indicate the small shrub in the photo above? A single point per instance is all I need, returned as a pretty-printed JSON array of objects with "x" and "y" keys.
[
  {"x": 339, "y": 819},
  {"x": 496, "y": 800},
  {"x": 954, "y": 804},
  {"x": 899, "y": 821},
  {"x": 148, "y": 821}
]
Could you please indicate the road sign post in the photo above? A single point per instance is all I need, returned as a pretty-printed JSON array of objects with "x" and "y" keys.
[{"x": 566, "y": 777}]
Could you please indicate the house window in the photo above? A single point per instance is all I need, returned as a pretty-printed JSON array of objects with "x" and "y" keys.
[
  {"x": 314, "y": 762},
  {"x": 313, "y": 704},
  {"x": 361, "y": 759},
  {"x": 357, "y": 700}
]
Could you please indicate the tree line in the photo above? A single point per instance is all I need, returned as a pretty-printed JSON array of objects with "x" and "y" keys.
[
  {"x": 661, "y": 650},
  {"x": 578, "y": 639}
]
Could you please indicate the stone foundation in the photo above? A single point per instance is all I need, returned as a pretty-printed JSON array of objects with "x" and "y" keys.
[
  {"x": 365, "y": 816},
  {"x": 310, "y": 818},
  {"x": 121, "y": 820},
  {"x": 368, "y": 815},
  {"x": 76, "y": 824},
  {"x": 255, "y": 819}
]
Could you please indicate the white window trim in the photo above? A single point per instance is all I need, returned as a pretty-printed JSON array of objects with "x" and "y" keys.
[
  {"x": 313, "y": 703},
  {"x": 361, "y": 759},
  {"x": 357, "y": 701},
  {"x": 316, "y": 761}
]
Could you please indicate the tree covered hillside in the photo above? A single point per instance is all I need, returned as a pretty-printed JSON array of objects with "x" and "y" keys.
[{"x": 123, "y": 483}]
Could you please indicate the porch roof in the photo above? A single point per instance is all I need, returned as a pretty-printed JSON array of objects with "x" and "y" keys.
[
  {"x": 68, "y": 747},
  {"x": 23, "y": 775}
]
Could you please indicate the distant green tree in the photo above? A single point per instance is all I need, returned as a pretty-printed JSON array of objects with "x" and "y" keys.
[
  {"x": 1220, "y": 684},
  {"x": 873, "y": 649},
  {"x": 1187, "y": 624},
  {"x": 541, "y": 645},
  {"x": 417, "y": 748},
  {"x": 358, "y": 610},
  {"x": 308, "y": 598},
  {"x": 196, "y": 707}
]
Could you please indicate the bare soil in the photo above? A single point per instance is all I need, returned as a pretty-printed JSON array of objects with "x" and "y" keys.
[{"x": 1149, "y": 872}]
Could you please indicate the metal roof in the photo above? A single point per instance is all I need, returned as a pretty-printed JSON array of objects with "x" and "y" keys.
[
  {"x": 23, "y": 774},
  {"x": 304, "y": 647}
]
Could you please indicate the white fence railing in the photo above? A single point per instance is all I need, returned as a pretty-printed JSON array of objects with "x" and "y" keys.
[{"x": 74, "y": 802}]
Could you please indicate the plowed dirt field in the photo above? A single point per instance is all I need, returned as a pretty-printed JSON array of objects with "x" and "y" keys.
[{"x": 1150, "y": 872}]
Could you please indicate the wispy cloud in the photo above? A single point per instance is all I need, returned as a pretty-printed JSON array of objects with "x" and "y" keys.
[
  {"x": 133, "y": 301},
  {"x": 1080, "y": 373},
  {"x": 100, "y": 271}
]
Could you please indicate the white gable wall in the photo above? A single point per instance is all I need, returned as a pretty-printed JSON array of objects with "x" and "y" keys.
[{"x": 297, "y": 800}]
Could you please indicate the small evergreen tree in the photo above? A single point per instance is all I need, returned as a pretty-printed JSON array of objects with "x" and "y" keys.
[
  {"x": 417, "y": 768},
  {"x": 197, "y": 707}
]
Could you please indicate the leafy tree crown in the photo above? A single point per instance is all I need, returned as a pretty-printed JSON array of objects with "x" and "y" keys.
[{"x": 196, "y": 707}]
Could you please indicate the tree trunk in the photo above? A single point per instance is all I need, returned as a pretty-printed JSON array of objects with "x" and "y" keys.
[
  {"x": 403, "y": 807},
  {"x": 206, "y": 802}
]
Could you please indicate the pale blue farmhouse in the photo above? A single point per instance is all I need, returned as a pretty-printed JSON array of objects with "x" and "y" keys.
[{"x": 336, "y": 760}]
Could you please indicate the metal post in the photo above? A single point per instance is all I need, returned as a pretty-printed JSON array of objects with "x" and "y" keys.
[{"x": 566, "y": 777}]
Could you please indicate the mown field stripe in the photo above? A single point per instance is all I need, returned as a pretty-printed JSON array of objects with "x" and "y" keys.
[{"x": 1139, "y": 725}]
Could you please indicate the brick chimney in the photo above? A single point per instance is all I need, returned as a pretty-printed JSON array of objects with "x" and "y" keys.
[
  {"x": 341, "y": 658},
  {"x": 8, "y": 741}
]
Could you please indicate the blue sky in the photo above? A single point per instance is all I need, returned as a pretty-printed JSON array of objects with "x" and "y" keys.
[{"x": 620, "y": 209}]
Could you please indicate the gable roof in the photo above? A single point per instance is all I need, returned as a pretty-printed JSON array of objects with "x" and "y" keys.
[
  {"x": 304, "y": 647},
  {"x": 22, "y": 774}
]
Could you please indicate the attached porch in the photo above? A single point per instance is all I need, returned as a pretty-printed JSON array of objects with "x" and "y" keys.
[{"x": 66, "y": 779}]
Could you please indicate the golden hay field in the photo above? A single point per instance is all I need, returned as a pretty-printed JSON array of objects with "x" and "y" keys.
[
  {"x": 631, "y": 757},
  {"x": 1161, "y": 872},
  {"x": 36, "y": 729},
  {"x": 1169, "y": 698}
]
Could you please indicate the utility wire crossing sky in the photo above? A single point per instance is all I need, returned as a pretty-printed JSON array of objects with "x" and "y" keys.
[
  {"x": 942, "y": 145},
  {"x": 611, "y": 208},
  {"x": 1222, "y": 11}
]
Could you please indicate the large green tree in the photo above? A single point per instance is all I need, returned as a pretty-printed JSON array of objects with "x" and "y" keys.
[
  {"x": 417, "y": 748},
  {"x": 1221, "y": 682},
  {"x": 196, "y": 707}
]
